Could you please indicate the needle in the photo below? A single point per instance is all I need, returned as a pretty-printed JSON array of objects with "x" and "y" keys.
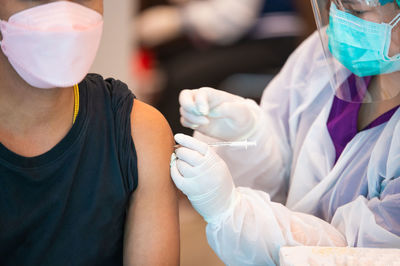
[{"x": 238, "y": 144}]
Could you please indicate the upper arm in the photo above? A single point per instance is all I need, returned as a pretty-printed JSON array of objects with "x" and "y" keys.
[{"x": 152, "y": 226}]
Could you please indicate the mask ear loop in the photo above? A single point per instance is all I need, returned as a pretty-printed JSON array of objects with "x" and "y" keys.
[
  {"x": 395, "y": 21},
  {"x": 392, "y": 24}
]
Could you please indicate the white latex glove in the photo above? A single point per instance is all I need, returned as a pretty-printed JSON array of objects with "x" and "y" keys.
[
  {"x": 219, "y": 114},
  {"x": 204, "y": 177},
  {"x": 158, "y": 25}
]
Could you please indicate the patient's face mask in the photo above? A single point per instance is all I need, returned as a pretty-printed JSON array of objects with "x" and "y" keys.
[
  {"x": 360, "y": 37},
  {"x": 52, "y": 45}
]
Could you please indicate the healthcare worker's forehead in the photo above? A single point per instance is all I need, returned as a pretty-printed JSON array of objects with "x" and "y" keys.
[{"x": 10, "y": 7}]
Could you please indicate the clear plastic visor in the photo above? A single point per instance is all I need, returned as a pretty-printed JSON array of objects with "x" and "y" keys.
[{"x": 361, "y": 42}]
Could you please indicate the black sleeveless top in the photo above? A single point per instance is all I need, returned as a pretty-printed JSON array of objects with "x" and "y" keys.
[{"x": 68, "y": 206}]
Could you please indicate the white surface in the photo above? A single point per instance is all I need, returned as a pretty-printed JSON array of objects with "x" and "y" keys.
[{"x": 328, "y": 256}]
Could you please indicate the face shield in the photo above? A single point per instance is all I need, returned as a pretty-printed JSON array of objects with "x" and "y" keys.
[
  {"x": 361, "y": 41},
  {"x": 51, "y": 43}
]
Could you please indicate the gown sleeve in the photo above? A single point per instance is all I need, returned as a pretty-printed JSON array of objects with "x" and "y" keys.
[{"x": 256, "y": 228}]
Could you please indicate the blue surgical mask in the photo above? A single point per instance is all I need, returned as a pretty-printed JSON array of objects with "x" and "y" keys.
[{"x": 361, "y": 46}]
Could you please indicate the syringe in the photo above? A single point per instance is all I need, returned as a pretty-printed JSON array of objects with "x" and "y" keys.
[{"x": 236, "y": 144}]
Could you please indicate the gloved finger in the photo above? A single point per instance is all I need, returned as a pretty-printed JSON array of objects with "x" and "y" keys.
[
  {"x": 216, "y": 97},
  {"x": 227, "y": 110},
  {"x": 191, "y": 143},
  {"x": 201, "y": 101},
  {"x": 186, "y": 100},
  {"x": 188, "y": 124},
  {"x": 194, "y": 119},
  {"x": 176, "y": 176},
  {"x": 186, "y": 170},
  {"x": 194, "y": 158}
]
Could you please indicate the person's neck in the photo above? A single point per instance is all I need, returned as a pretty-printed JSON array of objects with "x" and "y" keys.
[
  {"x": 32, "y": 114},
  {"x": 24, "y": 106},
  {"x": 385, "y": 95},
  {"x": 385, "y": 87}
]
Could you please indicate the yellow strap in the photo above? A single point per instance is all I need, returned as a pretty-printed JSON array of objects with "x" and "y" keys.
[{"x": 76, "y": 102}]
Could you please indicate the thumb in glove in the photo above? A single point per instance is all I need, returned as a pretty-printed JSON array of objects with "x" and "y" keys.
[{"x": 203, "y": 176}]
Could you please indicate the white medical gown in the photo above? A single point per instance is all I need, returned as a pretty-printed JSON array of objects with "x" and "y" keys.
[{"x": 355, "y": 202}]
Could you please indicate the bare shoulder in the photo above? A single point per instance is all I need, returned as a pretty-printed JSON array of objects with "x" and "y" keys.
[
  {"x": 149, "y": 125},
  {"x": 152, "y": 136},
  {"x": 148, "y": 120}
]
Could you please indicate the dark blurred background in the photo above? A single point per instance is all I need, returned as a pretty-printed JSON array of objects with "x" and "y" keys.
[{"x": 240, "y": 57}]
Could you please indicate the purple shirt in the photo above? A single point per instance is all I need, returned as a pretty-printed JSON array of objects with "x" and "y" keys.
[
  {"x": 342, "y": 121},
  {"x": 342, "y": 127}
]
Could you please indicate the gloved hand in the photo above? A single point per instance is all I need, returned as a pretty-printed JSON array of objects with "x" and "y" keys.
[
  {"x": 204, "y": 177},
  {"x": 219, "y": 114}
]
